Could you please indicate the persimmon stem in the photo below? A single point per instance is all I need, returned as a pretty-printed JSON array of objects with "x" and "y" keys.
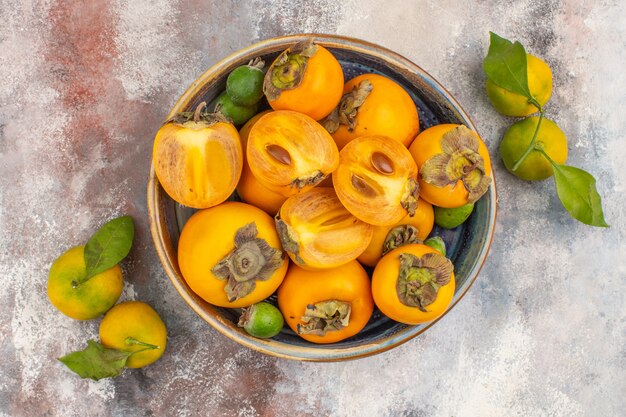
[
  {"x": 147, "y": 346},
  {"x": 531, "y": 146},
  {"x": 197, "y": 113}
]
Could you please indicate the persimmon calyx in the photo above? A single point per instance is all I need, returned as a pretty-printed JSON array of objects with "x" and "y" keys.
[
  {"x": 410, "y": 197},
  {"x": 287, "y": 239},
  {"x": 404, "y": 234},
  {"x": 197, "y": 119},
  {"x": 304, "y": 181},
  {"x": 288, "y": 69},
  {"x": 460, "y": 160},
  {"x": 419, "y": 279},
  {"x": 252, "y": 259},
  {"x": 347, "y": 110},
  {"x": 325, "y": 316}
]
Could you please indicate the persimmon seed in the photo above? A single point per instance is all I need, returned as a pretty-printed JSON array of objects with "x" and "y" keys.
[
  {"x": 382, "y": 163},
  {"x": 279, "y": 153},
  {"x": 362, "y": 186}
]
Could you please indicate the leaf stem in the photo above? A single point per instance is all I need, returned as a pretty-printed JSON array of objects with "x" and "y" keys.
[
  {"x": 531, "y": 146},
  {"x": 147, "y": 346}
]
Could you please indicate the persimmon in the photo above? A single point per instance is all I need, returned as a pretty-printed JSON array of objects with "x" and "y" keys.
[
  {"x": 289, "y": 152},
  {"x": 326, "y": 306},
  {"x": 306, "y": 78},
  {"x": 318, "y": 232},
  {"x": 376, "y": 180},
  {"x": 408, "y": 230},
  {"x": 413, "y": 284},
  {"x": 373, "y": 105},
  {"x": 198, "y": 158},
  {"x": 230, "y": 255},
  {"x": 249, "y": 188},
  {"x": 454, "y": 165}
]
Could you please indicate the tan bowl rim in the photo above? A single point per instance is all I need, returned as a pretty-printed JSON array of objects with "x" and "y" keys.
[{"x": 317, "y": 353}]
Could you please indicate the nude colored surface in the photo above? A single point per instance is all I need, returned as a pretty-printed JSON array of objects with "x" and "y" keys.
[{"x": 84, "y": 86}]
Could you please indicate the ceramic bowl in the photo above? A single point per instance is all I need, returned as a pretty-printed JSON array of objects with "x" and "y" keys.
[{"x": 467, "y": 245}]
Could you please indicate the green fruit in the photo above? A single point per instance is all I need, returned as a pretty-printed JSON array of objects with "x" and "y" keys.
[
  {"x": 449, "y": 218},
  {"x": 244, "y": 85},
  {"x": 437, "y": 244},
  {"x": 238, "y": 114},
  {"x": 262, "y": 320},
  {"x": 536, "y": 166}
]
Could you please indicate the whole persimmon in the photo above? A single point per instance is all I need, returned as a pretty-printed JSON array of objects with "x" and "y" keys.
[
  {"x": 306, "y": 78},
  {"x": 198, "y": 158},
  {"x": 373, "y": 105},
  {"x": 376, "y": 180},
  {"x": 289, "y": 152},
  {"x": 230, "y": 255},
  {"x": 454, "y": 165}
]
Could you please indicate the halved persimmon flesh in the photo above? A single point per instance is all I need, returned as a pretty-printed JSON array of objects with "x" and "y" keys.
[
  {"x": 289, "y": 152},
  {"x": 377, "y": 180},
  {"x": 318, "y": 232}
]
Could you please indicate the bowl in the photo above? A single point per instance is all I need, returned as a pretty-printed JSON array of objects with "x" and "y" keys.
[{"x": 467, "y": 245}]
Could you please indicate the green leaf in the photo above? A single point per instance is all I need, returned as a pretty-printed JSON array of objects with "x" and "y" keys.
[
  {"x": 505, "y": 65},
  {"x": 109, "y": 245},
  {"x": 96, "y": 361},
  {"x": 577, "y": 191}
]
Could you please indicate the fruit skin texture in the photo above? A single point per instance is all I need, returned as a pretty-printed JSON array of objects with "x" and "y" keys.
[
  {"x": 517, "y": 138},
  {"x": 208, "y": 236},
  {"x": 197, "y": 164},
  {"x": 249, "y": 188},
  {"x": 513, "y": 104},
  {"x": 139, "y": 321},
  {"x": 388, "y": 110},
  {"x": 449, "y": 218},
  {"x": 238, "y": 113},
  {"x": 428, "y": 144},
  {"x": 326, "y": 234},
  {"x": 244, "y": 85},
  {"x": 306, "y": 150},
  {"x": 262, "y": 320},
  {"x": 91, "y": 298},
  {"x": 423, "y": 220},
  {"x": 372, "y": 195},
  {"x": 320, "y": 89},
  {"x": 386, "y": 297},
  {"x": 348, "y": 282}
]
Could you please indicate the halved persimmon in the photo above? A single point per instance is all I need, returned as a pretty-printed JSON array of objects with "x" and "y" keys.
[
  {"x": 373, "y": 105},
  {"x": 377, "y": 180},
  {"x": 408, "y": 230},
  {"x": 198, "y": 158},
  {"x": 305, "y": 78},
  {"x": 454, "y": 165},
  {"x": 318, "y": 232},
  {"x": 289, "y": 152},
  {"x": 249, "y": 188}
]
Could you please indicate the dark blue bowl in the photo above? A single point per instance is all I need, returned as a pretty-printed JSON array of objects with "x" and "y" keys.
[{"x": 467, "y": 245}]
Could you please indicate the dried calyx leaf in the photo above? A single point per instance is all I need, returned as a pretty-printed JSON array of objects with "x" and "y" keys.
[
  {"x": 313, "y": 179},
  {"x": 287, "y": 239},
  {"x": 325, "y": 316},
  {"x": 252, "y": 259},
  {"x": 288, "y": 69},
  {"x": 399, "y": 236},
  {"x": 410, "y": 197},
  {"x": 460, "y": 160},
  {"x": 347, "y": 110},
  {"x": 198, "y": 116},
  {"x": 419, "y": 279}
]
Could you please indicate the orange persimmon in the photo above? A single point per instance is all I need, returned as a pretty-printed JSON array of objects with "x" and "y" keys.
[
  {"x": 373, "y": 105},
  {"x": 326, "y": 306}
]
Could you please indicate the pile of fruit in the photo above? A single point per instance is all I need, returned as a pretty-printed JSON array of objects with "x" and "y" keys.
[{"x": 335, "y": 180}]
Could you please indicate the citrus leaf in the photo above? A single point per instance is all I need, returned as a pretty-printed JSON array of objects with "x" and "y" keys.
[
  {"x": 505, "y": 65},
  {"x": 577, "y": 191},
  {"x": 109, "y": 245},
  {"x": 96, "y": 361}
]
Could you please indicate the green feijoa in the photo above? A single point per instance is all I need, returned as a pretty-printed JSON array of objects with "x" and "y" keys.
[
  {"x": 244, "y": 85},
  {"x": 437, "y": 244},
  {"x": 449, "y": 218},
  {"x": 262, "y": 320},
  {"x": 238, "y": 114}
]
